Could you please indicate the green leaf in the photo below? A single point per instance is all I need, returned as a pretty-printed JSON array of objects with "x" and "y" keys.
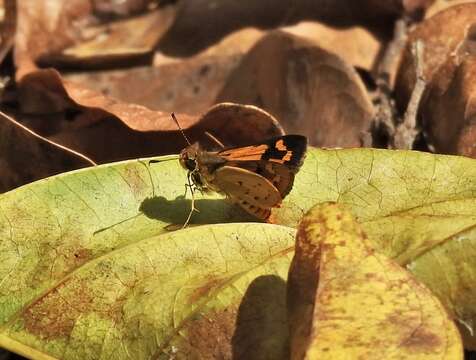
[
  {"x": 419, "y": 208},
  {"x": 190, "y": 293}
]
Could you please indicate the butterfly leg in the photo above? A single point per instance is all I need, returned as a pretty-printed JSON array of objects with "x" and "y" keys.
[{"x": 191, "y": 185}]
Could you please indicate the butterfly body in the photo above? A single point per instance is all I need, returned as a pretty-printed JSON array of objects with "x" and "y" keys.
[{"x": 256, "y": 177}]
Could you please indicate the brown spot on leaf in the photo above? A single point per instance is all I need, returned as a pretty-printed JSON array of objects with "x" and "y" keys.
[
  {"x": 202, "y": 291},
  {"x": 81, "y": 255},
  {"x": 209, "y": 336},
  {"x": 54, "y": 315},
  {"x": 133, "y": 178},
  {"x": 423, "y": 340}
]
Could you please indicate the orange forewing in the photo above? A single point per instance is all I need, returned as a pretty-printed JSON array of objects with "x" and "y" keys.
[{"x": 256, "y": 177}]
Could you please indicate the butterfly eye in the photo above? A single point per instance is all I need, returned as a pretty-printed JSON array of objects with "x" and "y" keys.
[{"x": 191, "y": 164}]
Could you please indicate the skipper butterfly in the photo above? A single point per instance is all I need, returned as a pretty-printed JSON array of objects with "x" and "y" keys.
[{"x": 256, "y": 177}]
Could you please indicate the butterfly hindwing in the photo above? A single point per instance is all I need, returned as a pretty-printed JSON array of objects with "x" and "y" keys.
[
  {"x": 279, "y": 175},
  {"x": 251, "y": 191}
]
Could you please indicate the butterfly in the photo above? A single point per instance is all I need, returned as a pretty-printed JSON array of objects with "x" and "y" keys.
[{"x": 256, "y": 177}]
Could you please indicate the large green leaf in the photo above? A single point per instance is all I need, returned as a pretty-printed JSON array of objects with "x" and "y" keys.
[
  {"x": 191, "y": 293},
  {"x": 419, "y": 208}
]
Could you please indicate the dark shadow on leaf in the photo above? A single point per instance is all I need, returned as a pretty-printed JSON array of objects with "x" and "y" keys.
[
  {"x": 176, "y": 211},
  {"x": 261, "y": 326}
]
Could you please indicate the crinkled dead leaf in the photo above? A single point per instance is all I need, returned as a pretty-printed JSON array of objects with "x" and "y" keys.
[
  {"x": 147, "y": 132},
  {"x": 440, "y": 34},
  {"x": 311, "y": 90},
  {"x": 238, "y": 42},
  {"x": 67, "y": 34},
  {"x": 190, "y": 85},
  {"x": 193, "y": 84},
  {"x": 347, "y": 301},
  {"x": 122, "y": 42},
  {"x": 449, "y": 108},
  {"x": 236, "y": 125}
]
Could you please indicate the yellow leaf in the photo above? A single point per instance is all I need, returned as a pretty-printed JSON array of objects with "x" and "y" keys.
[{"x": 347, "y": 301}]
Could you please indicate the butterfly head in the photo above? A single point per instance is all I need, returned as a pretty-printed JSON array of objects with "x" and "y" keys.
[{"x": 188, "y": 157}]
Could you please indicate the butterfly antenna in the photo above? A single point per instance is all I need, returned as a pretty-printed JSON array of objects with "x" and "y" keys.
[
  {"x": 210, "y": 135},
  {"x": 181, "y": 130}
]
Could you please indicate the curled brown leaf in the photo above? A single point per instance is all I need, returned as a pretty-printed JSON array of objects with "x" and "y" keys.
[
  {"x": 449, "y": 110},
  {"x": 311, "y": 90},
  {"x": 440, "y": 35}
]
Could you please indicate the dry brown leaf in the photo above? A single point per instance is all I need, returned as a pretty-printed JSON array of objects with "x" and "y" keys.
[
  {"x": 200, "y": 23},
  {"x": 312, "y": 92},
  {"x": 189, "y": 86},
  {"x": 414, "y": 6},
  {"x": 238, "y": 42},
  {"x": 45, "y": 28},
  {"x": 66, "y": 34},
  {"x": 356, "y": 45},
  {"x": 449, "y": 109},
  {"x": 126, "y": 41},
  {"x": 7, "y": 27},
  {"x": 440, "y": 35},
  {"x": 233, "y": 124},
  {"x": 145, "y": 131},
  {"x": 440, "y": 5},
  {"x": 120, "y": 8}
]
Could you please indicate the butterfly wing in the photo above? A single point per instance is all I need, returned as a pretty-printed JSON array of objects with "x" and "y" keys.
[
  {"x": 286, "y": 150},
  {"x": 278, "y": 159},
  {"x": 253, "y": 192}
]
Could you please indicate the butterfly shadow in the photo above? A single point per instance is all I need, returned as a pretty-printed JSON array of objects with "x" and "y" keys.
[
  {"x": 262, "y": 327},
  {"x": 210, "y": 211}
]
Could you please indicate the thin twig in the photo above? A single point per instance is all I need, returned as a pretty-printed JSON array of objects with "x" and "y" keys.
[
  {"x": 390, "y": 59},
  {"x": 407, "y": 131},
  {"x": 62, "y": 147},
  {"x": 410, "y": 114},
  {"x": 386, "y": 115}
]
